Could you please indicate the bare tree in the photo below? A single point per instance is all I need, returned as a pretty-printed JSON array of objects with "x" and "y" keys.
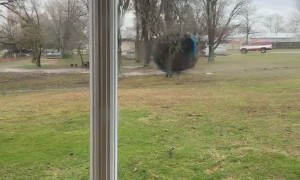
[
  {"x": 189, "y": 19},
  {"x": 28, "y": 18},
  {"x": 293, "y": 23},
  {"x": 123, "y": 7},
  {"x": 137, "y": 26},
  {"x": 150, "y": 23},
  {"x": 294, "y": 20},
  {"x": 83, "y": 13},
  {"x": 10, "y": 32},
  {"x": 145, "y": 10},
  {"x": 275, "y": 23},
  {"x": 81, "y": 27},
  {"x": 179, "y": 16},
  {"x": 159, "y": 18},
  {"x": 65, "y": 16},
  {"x": 249, "y": 19},
  {"x": 55, "y": 11},
  {"x": 10, "y": 35},
  {"x": 167, "y": 9},
  {"x": 200, "y": 20},
  {"x": 219, "y": 17}
]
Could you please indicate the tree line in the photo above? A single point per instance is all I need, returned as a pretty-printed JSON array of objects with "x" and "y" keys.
[
  {"x": 53, "y": 24},
  {"x": 63, "y": 24}
]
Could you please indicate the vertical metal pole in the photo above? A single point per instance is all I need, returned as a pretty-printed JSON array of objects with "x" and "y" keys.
[{"x": 103, "y": 89}]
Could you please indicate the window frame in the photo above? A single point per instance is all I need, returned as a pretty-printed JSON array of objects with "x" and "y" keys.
[{"x": 103, "y": 88}]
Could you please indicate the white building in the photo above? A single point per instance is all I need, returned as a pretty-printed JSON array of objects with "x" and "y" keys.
[{"x": 280, "y": 40}]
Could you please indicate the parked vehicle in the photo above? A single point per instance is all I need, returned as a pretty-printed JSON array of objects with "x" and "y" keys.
[
  {"x": 53, "y": 54},
  {"x": 220, "y": 50},
  {"x": 256, "y": 47}
]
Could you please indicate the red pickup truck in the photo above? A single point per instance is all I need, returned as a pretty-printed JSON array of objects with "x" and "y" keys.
[{"x": 256, "y": 47}]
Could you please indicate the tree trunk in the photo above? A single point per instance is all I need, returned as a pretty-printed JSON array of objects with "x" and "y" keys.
[
  {"x": 39, "y": 54},
  {"x": 148, "y": 51},
  {"x": 120, "y": 73},
  {"x": 137, "y": 38},
  {"x": 170, "y": 63},
  {"x": 247, "y": 36},
  {"x": 211, "y": 23},
  {"x": 62, "y": 51},
  {"x": 146, "y": 43},
  {"x": 34, "y": 57},
  {"x": 145, "y": 6},
  {"x": 137, "y": 50},
  {"x": 211, "y": 54},
  {"x": 64, "y": 47},
  {"x": 147, "y": 47},
  {"x": 168, "y": 9},
  {"x": 81, "y": 58}
]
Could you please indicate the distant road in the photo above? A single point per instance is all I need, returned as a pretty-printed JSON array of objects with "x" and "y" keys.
[
  {"x": 47, "y": 71},
  {"x": 130, "y": 72}
]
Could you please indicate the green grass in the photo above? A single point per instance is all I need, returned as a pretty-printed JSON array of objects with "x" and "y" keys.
[
  {"x": 230, "y": 130},
  {"x": 240, "y": 122},
  {"x": 41, "y": 141}
]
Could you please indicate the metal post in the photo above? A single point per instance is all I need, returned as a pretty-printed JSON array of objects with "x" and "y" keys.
[{"x": 103, "y": 89}]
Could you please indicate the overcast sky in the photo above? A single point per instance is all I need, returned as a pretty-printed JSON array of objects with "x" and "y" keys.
[
  {"x": 283, "y": 7},
  {"x": 266, "y": 7}
]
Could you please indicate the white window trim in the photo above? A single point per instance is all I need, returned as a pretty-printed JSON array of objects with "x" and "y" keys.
[{"x": 103, "y": 89}]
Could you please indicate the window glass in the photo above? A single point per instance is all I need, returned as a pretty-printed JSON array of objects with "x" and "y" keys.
[
  {"x": 207, "y": 89},
  {"x": 212, "y": 90},
  {"x": 44, "y": 95}
]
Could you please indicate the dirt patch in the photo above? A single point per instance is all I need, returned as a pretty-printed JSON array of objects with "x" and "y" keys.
[
  {"x": 41, "y": 71},
  {"x": 7, "y": 59},
  {"x": 128, "y": 71},
  {"x": 51, "y": 62}
]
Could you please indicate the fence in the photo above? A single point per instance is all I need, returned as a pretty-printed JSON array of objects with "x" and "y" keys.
[{"x": 286, "y": 45}]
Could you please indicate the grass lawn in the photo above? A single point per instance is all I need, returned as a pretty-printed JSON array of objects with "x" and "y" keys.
[
  {"x": 236, "y": 118},
  {"x": 24, "y": 82},
  {"x": 47, "y": 63}
]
